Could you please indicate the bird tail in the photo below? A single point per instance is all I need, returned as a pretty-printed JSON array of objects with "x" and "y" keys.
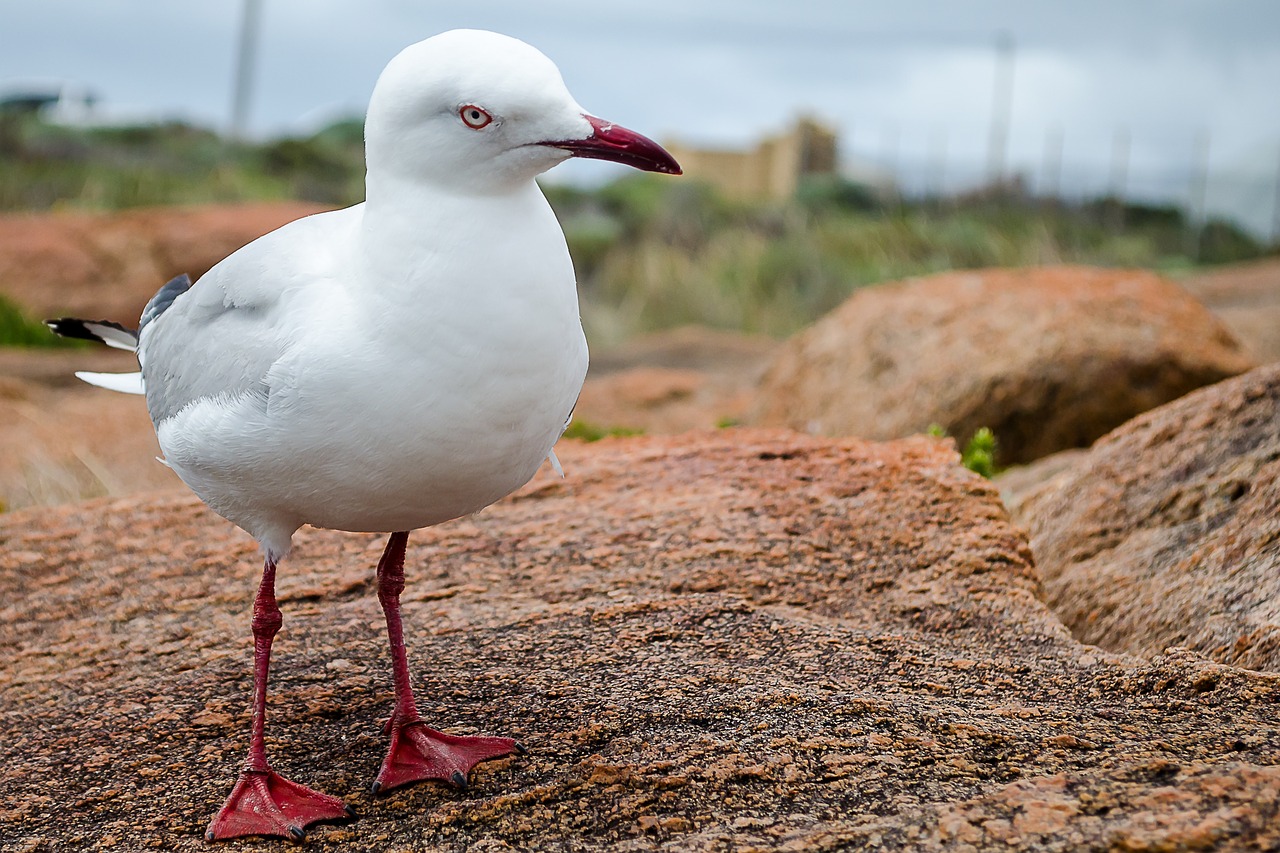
[
  {"x": 104, "y": 332},
  {"x": 125, "y": 383}
]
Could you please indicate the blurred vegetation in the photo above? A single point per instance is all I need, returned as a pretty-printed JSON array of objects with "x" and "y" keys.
[
  {"x": 651, "y": 252},
  {"x": 43, "y": 166},
  {"x": 17, "y": 330},
  {"x": 978, "y": 453},
  {"x": 588, "y": 431},
  {"x": 654, "y": 252}
]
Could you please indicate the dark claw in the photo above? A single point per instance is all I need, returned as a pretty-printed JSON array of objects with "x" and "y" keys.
[
  {"x": 296, "y": 833},
  {"x": 520, "y": 750},
  {"x": 351, "y": 813},
  {"x": 208, "y": 835},
  {"x": 459, "y": 780},
  {"x": 377, "y": 786}
]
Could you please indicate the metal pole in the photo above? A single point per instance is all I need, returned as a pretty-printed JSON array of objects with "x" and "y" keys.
[
  {"x": 1275, "y": 206},
  {"x": 1116, "y": 188},
  {"x": 1119, "y": 163},
  {"x": 1051, "y": 173},
  {"x": 889, "y": 157},
  {"x": 1001, "y": 109},
  {"x": 246, "y": 53},
  {"x": 938, "y": 172},
  {"x": 1198, "y": 193}
]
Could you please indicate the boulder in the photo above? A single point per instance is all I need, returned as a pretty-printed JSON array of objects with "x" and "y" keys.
[
  {"x": 107, "y": 265},
  {"x": 1247, "y": 298},
  {"x": 1167, "y": 533},
  {"x": 1048, "y": 358},
  {"x": 736, "y": 640}
]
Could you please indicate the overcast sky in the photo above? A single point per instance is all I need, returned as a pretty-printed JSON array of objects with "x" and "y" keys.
[{"x": 904, "y": 81}]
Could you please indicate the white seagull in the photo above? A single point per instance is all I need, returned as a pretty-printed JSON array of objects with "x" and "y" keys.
[{"x": 386, "y": 367}]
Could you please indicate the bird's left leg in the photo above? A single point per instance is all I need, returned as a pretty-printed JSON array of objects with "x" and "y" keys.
[
  {"x": 417, "y": 752},
  {"x": 263, "y": 802}
]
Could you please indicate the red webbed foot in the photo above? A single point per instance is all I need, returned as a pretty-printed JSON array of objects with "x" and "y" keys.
[
  {"x": 265, "y": 803},
  {"x": 419, "y": 753}
]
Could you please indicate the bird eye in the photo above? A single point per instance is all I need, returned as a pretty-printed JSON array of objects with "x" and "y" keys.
[{"x": 474, "y": 117}]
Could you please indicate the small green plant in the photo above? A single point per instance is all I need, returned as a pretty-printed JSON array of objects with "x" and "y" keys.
[
  {"x": 591, "y": 432},
  {"x": 979, "y": 453}
]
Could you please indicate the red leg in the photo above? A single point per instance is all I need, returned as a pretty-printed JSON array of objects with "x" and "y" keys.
[
  {"x": 263, "y": 802},
  {"x": 417, "y": 752}
]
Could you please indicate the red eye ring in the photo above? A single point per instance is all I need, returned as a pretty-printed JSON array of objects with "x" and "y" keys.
[{"x": 474, "y": 117}]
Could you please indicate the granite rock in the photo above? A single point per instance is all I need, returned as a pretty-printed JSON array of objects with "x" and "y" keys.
[
  {"x": 1167, "y": 533},
  {"x": 736, "y": 640},
  {"x": 1048, "y": 358}
]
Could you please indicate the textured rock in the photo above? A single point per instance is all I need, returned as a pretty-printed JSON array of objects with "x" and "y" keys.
[
  {"x": 1020, "y": 482},
  {"x": 109, "y": 265},
  {"x": 742, "y": 640},
  {"x": 1168, "y": 532},
  {"x": 1048, "y": 358},
  {"x": 1247, "y": 298}
]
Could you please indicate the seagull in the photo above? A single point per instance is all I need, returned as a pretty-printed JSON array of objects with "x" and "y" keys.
[{"x": 385, "y": 367}]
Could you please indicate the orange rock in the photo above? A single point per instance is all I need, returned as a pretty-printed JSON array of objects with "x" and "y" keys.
[
  {"x": 1167, "y": 532},
  {"x": 107, "y": 265},
  {"x": 1048, "y": 358}
]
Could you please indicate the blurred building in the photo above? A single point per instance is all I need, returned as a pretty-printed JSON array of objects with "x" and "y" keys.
[
  {"x": 56, "y": 102},
  {"x": 773, "y": 169}
]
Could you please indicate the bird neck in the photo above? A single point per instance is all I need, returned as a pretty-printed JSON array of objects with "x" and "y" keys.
[
  {"x": 393, "y": 202},
  {"x": 412, "y": 236}
]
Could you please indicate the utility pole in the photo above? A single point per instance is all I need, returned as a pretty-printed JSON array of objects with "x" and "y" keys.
[
  {"x": 1001, "y": 109},
  {"x": 1051, "y": 171},
  {"x": 1198, "y": 195},
  {"x": 936, "y": 188},
  {"x": 1117, "y": 186},
  {"x": 1275, "y": 207},
  {"x": 246, "y": 53}
]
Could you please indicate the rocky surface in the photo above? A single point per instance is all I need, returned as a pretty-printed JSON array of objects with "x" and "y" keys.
[
  {"x": 1247, "y": 298},
  {"x": 1167, "y": 533},
  {"x": 109, "y": 265},
  {"x": 1048, "y": 358},
  {"x": 735, "y": 640}
]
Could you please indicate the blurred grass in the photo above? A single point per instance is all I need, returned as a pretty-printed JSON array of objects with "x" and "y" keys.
[
  {"x": 17, "y": 330},
  {"x": 654, "y": 253},
  {"x": 109, "y": 168},
  {"x": 651, "y": 252}
]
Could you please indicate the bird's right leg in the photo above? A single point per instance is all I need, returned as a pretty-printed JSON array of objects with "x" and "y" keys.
[
  {"x": 417, "y": 751},
  {"x": 263, "y": 802}
]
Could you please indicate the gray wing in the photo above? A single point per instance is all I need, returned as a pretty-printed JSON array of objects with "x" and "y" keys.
[
  {"x": 220, "y": 337},
  {"x": 200, "y": 349},
  {"x": 163, "y": 299}
]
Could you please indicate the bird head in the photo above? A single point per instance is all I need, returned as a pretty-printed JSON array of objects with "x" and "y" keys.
[{"x": 476, "y": 111}]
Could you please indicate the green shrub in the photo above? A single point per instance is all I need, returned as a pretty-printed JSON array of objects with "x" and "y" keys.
[
  {"x": 16, "y": 330},
  {"x": 979, "y": 452}
]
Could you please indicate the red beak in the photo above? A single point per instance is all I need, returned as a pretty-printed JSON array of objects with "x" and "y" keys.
[{"x": 613, "y": 142}]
